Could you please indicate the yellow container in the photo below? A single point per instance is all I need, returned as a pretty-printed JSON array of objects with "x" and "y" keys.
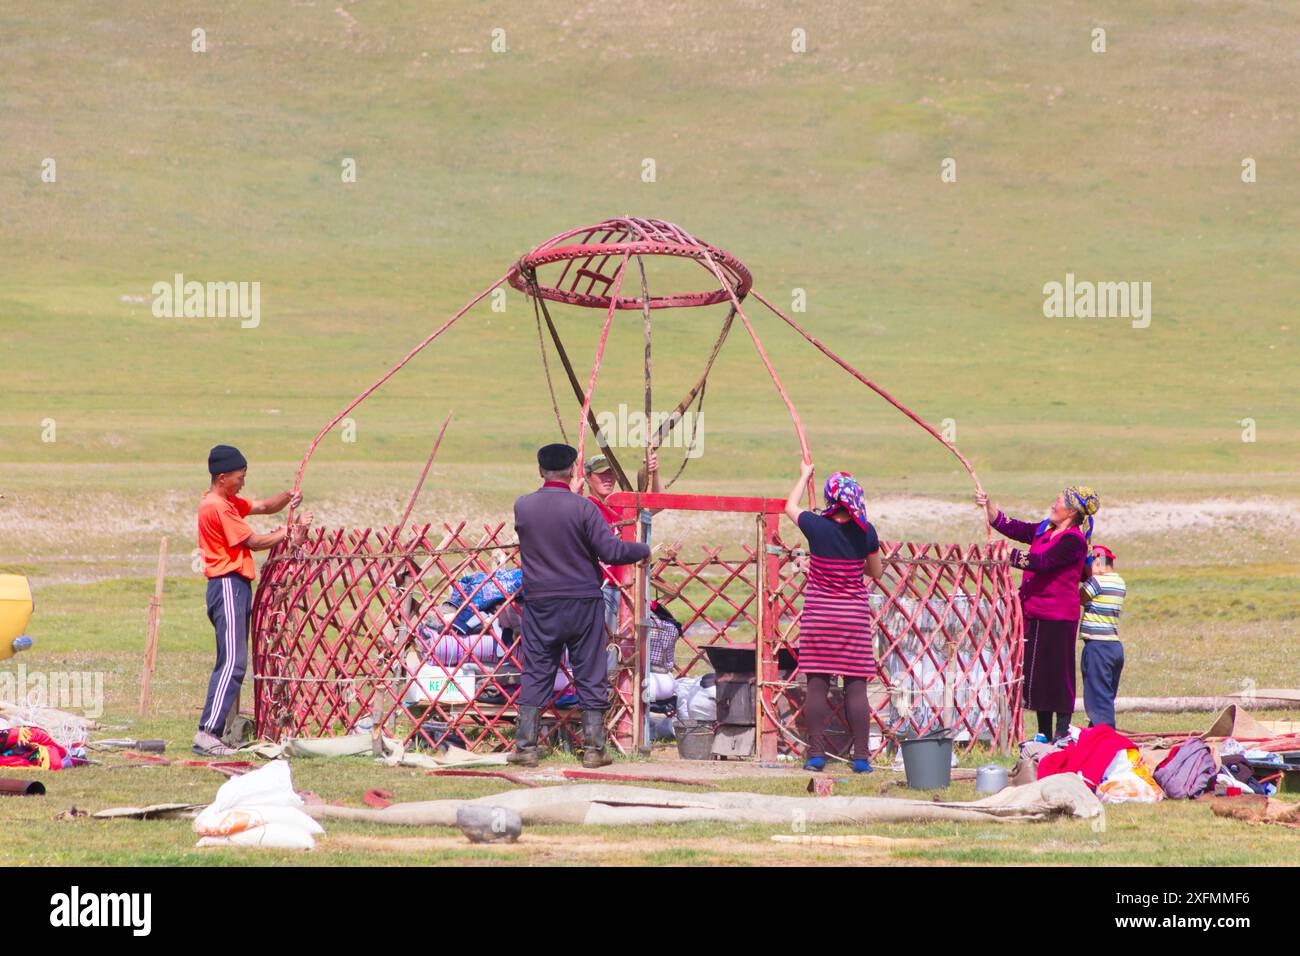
[{"x": 15, "y": 611}]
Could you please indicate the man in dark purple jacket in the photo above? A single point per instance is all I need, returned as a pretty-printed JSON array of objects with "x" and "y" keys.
[{"x": 563, "y": 538}]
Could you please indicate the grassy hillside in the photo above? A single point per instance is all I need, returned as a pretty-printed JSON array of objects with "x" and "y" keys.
[{"x": 821, "y": 170}]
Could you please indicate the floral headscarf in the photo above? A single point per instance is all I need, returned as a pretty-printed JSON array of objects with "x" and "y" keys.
[
  {"x": 1084, "y": 500},
  {"x": 843, "y": 490}
]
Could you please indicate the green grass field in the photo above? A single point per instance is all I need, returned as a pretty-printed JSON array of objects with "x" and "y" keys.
[
  {"x": 820, "y": 170},
  {"x": 98, "y": 628}
]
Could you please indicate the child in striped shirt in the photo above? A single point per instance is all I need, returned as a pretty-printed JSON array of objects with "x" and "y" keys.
[{"x": 1102, "y": 596}]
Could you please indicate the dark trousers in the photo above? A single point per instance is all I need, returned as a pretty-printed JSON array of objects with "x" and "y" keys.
[
  {"x": 553, "y": 625},
  {"x": 230, "y": 600},
  {"x": 1062, "y": 724},
  {"x": 817, "y": 714},
  {"x": 1101, "y": 662}
]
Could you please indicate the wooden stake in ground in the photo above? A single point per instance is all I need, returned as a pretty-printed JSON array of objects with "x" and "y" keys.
[{"x": 151, "y": 631}]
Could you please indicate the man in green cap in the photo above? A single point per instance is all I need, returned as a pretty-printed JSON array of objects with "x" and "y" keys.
[{"x": 601, "y": 483}]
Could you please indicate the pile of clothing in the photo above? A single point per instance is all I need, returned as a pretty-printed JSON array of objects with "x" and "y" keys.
[
  {"x": 468, "y": 612},
  {"x": 1109, "y": 762},
  {"x": 26, "y": 746},
  {"x": 1238, "y": 766},
  {"x": 661, "y": 641},
  {"x": 466, "y": 633},
  {"x": 1117, "y": 770},
  {"x": 668, "y": 697},
  {"x": 1212, "y": 762}
]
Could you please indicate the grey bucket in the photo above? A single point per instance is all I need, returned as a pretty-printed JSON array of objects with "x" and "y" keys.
[
  {"x": 927, "y": 760},
  {"x": 694, "y": 739}
]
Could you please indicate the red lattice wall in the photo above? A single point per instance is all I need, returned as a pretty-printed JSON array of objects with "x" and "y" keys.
[{"x": 340, "y": 629}]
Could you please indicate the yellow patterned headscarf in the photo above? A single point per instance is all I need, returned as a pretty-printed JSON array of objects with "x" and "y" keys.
[{"x": 1084, "y": 500}]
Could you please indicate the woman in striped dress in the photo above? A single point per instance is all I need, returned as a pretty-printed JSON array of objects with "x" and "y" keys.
[{"x": 835, "y": 626}]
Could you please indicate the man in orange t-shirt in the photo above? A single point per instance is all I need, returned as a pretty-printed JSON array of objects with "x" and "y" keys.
[
  {"x": 601, "y": 483},
  {"x": 227, "y": 544}
]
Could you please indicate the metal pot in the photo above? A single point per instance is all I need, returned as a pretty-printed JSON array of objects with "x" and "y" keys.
[{"x": 990, "y": 778}]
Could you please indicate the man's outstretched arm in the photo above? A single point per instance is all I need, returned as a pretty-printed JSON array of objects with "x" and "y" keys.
[
  {"x": 264, "y": 542},
  {"x": 609, "y": 547},
  {"x": 274, "y": 504}
]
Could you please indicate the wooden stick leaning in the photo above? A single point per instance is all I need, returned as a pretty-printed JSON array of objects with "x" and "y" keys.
[{"x": 151, "y": 629}]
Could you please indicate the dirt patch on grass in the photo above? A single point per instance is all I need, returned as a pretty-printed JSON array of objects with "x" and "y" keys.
[
  {"x": 664, "y": 762},
  {"x": 541, "y": 848}
]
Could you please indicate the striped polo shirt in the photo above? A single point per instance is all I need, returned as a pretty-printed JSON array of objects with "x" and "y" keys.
[{"x": 1103, "y": 597}]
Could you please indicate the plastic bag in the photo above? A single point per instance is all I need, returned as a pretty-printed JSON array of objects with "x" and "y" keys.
[
  {"x": 237, "y": 821},
  {"x": 695, "y": 701},
  {"x": 273, "y": 836},
  {"x": 659, "y": 687},
  {"x": 269, "y": 786},
  {"x": 1128, "y": 780},
  {"x": 259, "y": 808}
]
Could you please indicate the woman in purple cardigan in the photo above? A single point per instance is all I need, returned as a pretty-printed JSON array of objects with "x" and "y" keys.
[{"x": 1049, "y": 595}]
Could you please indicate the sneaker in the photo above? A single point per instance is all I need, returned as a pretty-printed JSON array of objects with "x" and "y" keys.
[
  {"x": 862, "y": 766},
  {"x": 815, "y": 764},
  {"x": 1040, "y": 738},
  {"x": 1063, "y": 741},
  {"x": 207, "y": 745}
]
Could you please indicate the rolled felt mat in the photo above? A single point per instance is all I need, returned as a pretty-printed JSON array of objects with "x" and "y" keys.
[{"x": 12, "y": 787}]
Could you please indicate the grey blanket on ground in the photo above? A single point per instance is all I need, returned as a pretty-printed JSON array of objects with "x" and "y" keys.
[
  {"x": 357, "y": 745},
  {"x": 1060, "y": 795}
]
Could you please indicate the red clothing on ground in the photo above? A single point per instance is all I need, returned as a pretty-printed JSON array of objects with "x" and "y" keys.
[
  {"x": 31, "y": 747},
  {"x": 1090, "y": 755}
]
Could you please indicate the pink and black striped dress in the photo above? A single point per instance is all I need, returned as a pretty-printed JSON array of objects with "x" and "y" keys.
[{"x": 836, "y": 629}]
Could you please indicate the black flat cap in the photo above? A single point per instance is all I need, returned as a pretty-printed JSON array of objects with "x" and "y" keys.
[{"x": 556, "y": 457}]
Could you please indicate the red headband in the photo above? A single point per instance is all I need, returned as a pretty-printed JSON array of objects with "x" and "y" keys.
[{"x": 1104, "y": 550}]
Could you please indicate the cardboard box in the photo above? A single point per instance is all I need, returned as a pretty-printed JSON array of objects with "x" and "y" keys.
[{"x": 455, "y": 687}]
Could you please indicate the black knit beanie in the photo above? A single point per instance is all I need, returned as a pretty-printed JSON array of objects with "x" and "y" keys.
[{"x": 224, "y": 459}]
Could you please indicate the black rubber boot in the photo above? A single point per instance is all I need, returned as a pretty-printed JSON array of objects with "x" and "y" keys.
[
  {"x": 526, "y": 752},
  {"x": 593, "y": 740}
]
